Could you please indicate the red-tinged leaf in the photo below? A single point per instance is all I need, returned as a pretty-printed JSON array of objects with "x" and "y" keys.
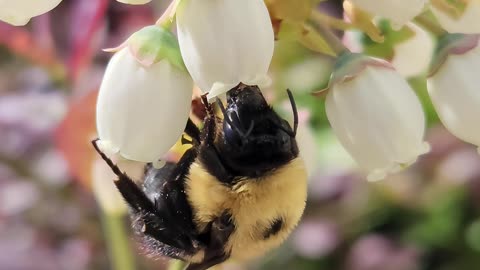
[{"x": 73, "y": 137}]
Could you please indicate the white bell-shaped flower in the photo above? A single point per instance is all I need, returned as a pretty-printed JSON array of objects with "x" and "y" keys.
[
  {"x": 468, "y": 22},
  {"x": 399, "y": 12},
  {"x": 143, "y": 110},
  {"x": 376, "y": 115},
  {"x": 134, "y": 2},
  {"x": 454, "y": 90},
  {"x": 19, "y": 12},
  {"x": 412, "y": 57},
  {"x": 225, "y": 42}
]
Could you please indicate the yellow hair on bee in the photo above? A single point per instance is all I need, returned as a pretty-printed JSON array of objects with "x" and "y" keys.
[{"x": 255, "y": 205}]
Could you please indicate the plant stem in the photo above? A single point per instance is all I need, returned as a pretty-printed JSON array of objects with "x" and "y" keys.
[
  {"x": 333, "y": 41},
  {"x": 430, "y": 25},
  {"x": 121, "y": 255},
  {"x": 177, "y": 265},
  {"x": 166, "y": 20},
  {"x": 333, "y": 22}
]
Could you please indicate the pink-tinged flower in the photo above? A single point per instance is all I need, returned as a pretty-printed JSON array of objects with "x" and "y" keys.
[
  {"x": 376, "y": 115},
  {"x": 225, "y": 42},
  {"x": 145, "y": 97},
  {"x": 19, "y": 12},
  {"x": 454, "y": 86}
]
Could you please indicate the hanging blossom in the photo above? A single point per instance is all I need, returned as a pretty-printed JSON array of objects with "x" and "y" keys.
[
  {"x": 224, "y": 43},
  {"x": 19, "y": 12},
  {"x": 134, "y": 2},
  {"x": 145, "y": 97},
  {"x": 398, "y": 11},
  {"x": 375, "y": 114},
  {"x": 468, "y": 22},
  {"x": 454, "y": 85},
  {"x": 412, "y": 57}
]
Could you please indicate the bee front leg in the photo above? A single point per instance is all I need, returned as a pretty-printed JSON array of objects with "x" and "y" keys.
[{"x": 215, "y": 253}]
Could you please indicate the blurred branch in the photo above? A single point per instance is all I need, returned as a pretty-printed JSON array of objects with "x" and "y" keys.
[
  {"x": 121, "y": 255},
  {"x": 177, "y": 265}
]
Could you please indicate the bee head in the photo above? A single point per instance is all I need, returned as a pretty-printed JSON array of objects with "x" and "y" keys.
[{"x": 255, "y": 138}]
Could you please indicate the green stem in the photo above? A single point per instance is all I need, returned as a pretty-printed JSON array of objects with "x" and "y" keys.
[
  {"x": 426, "y": 22},
  {"x": 177, "y": 265},
  {"x": 333, "y": 41},
  {"x": 121, "y": 255}
]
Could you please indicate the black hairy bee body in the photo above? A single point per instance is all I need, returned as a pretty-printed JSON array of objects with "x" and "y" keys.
[{"x": 236, "y": 193}]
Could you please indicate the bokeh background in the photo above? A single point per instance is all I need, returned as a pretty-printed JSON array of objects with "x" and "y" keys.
[{"x": 425, "y": 218}]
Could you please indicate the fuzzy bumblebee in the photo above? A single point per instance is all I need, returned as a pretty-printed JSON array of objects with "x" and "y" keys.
[{"x": 237, "y": 193}]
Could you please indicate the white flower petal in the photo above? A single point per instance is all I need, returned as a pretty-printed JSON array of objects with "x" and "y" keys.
[
  {"x": 412, "y": 57},
  {"x": 468, "y": 23},
  {"x": 378, "y": 119},
  {"x": 398, "y": 11},
  {"x": 454, "y": 90},
  {"x": 225, "y": 42},
  {"x": 134, "y": 2},
  {"x": 19, "y": 12},
  {"x": 142, "y": 111}
]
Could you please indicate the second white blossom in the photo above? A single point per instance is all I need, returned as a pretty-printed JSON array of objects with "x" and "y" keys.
[{"x": 225, "y": 42}]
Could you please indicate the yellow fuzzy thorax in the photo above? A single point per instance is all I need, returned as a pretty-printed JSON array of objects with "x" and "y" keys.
[{"x": 253, "y": 203}]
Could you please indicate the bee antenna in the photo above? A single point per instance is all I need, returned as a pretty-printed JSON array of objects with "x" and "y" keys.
[{"x": 295, "y": 112}]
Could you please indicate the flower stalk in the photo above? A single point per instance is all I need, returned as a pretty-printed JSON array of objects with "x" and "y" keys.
[
  {"x": 177, "y": 265},
  {"x": 427, "y": 23},
  {"x": 333, "y": 41},
  {"x": 121, "y": 255}
]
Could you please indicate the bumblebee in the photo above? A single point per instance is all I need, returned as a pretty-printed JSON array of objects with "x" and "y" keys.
[{"x": 238, "y": 192}]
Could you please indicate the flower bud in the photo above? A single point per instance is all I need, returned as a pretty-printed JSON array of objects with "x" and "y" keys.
[
  {"x": 19, "y": 12},
  {"x": 454, "y": 86},
  {"x": 375, "y": 114},
  {"x": 412, "y": 57},
  {"x": 145, "y": 96},
  {"x": 399, "y": 12},
  {"x": 468, "y": 22},
  {"x": 225, "y": 42}
]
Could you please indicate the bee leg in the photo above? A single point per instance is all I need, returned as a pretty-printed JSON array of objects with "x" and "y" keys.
[
  {"x": 192, "y": 130},
  {"x": 220, "y": 231},
  {"x": 148, "y": 218}
]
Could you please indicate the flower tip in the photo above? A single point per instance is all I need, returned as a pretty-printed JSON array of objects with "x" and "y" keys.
[
  {"x": 107, "y": 147},
  {"x": 15, "y": 21},
  {"x": 376, "y": 175}
]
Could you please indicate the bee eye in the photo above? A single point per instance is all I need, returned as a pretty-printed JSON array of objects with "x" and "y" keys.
[{"x": 231, "y": 135}]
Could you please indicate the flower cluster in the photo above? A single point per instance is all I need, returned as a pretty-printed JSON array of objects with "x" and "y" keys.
[{"x": 144, "y": 100}]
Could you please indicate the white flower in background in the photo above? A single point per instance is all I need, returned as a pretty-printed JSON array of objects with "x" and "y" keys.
[
  {"x": 134, "y": 2},
  {"x": 225, "y": 42},
  {"x": 399, "y": 12},
  {"x": 412, "y": 57},
  {"x": 19, "y": 12},
  {"x": 144, "y": 100},
  {"x": 468, "y": 22},
  {"x": 454, "y": 88},
  {"x": 103, "y": 186},
  {"x": 376, "y": 115}
]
